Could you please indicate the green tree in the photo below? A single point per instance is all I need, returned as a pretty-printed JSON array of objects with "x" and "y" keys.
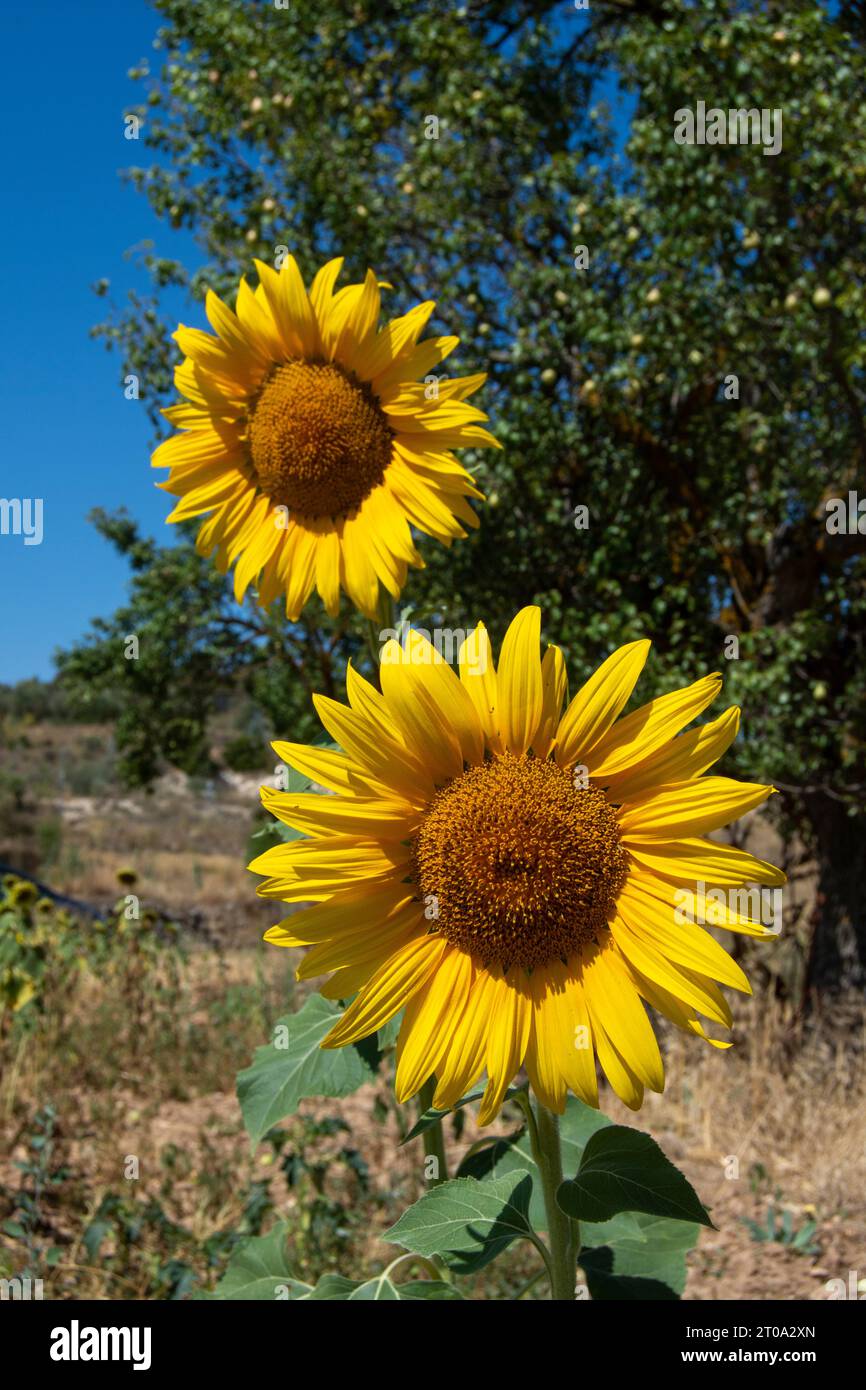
[
  {"x": 179, "y": 646},
  {"x": 611, "y": 385}
]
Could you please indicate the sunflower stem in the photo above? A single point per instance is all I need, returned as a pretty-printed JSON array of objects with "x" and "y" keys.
[
  {"x": 562, "y": 1232},
  {"x": 434, "y": 1137}
]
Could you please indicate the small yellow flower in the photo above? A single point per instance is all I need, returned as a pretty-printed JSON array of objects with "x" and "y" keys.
[
  {"x": 510, "y": 874},
  {"x": 22, "y": 894},
  {"x": 315, "y": 441}
]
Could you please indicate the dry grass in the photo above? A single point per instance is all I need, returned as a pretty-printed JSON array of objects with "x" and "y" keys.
[{"x": 788, "y": 1102}]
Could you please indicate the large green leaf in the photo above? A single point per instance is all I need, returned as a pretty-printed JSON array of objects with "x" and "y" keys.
[
  {"x": 623, "y": 1169},
  {"x": 382, "y": 1288},
  {"x": 334, "y": 1288},
  {"x": 293, "y": 1066},
  {"x": 258, "y": 1270},
  {"x": 468, "y": 1223},
  {"x": 648, "y": 1264}
]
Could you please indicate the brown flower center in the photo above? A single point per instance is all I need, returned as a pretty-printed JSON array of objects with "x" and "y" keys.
[
  {"x": 518, "y": 865},
  {"x": 318, "y": 440}
]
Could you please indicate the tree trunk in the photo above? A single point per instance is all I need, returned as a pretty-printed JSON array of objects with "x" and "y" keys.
[{"x": 837, "y": 958}]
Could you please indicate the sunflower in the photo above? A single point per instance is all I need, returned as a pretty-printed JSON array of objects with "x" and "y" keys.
[
  {"x": 514, "y": 876},
  {"x": 310, "y": 443}
]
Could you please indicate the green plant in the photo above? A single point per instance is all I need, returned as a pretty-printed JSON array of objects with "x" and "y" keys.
[
  {"x": 779, "y": 1227},
  {"x": 247, "y": 753}
]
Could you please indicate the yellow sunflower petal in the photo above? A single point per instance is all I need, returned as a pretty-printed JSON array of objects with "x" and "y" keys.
[
  {"x": 554, "y": 691},
  {"x": 478, "y": 675},
  {"x": 678, "y": 1013},
  {"x": 384, "y": 759},
  {"x": 613, "y": 1001},
  {"x": 597, "y": 704},
  {"x": 356, "y": 912},
  {"x": 371, "y": 948},
  {"x": 649, "y": 728},
  {"x": 519, "y": 682},
  {"x": 510, "y": 1025},
  {"x": 560, "y": 1056},
  {"x": 690, "y": 808},
  {"x": 389, "y": 990},
  {"x": 424, "y": 1033},
  {"x": 465, "y": 1053},
  {"x": 680, "y": 760},
  {"x": 693, "y": 861},
  {"x": 412, "y": 706},
  {"x": 622, "y": 1079},
  {"x": 314, "y": 814}
]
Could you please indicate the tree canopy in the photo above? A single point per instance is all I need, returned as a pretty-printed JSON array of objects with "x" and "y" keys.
[{"x": 693, "y": 378}]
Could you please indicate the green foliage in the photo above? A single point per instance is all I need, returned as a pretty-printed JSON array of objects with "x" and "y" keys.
[
  {"x": 293, "y": 1066},
  {"x": 779, "y": 1227},
  {"x": 644, "y": 1219},
  {"x": 260, "y": 1270},
  {"x": 648, "y": 1262},
  {"x": 631, "y": 1245},
  {"x": 41, "y": 1174},
  {"x": 622, "y": 1169},
  {"x": 34, "y": 701},
  {"x": 45, "y": 951},
  {"x": 246, "y": 753},
  {"x": 466, "y": 1222}
]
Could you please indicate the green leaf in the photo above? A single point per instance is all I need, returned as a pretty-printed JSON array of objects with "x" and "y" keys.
[
  {"x": 331, "y": 1288},
  {"x": 482, "y": 1160},
  {"x": 428, "y": 1289},
  {"x": 648, "y": 1264},
  {"x": 335, "y": 1288},
  {"x": 95, "y": 1234},
  {"x": 293, "y": 1066},
  {"x": 258, "y": 1270},
  {"x": 383, "y": 1289},
  {"x": 623, "y": 1169},
  {"x": 467, "y": 1222}
]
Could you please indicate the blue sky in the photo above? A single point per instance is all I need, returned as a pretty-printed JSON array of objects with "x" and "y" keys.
[{"x": 70, "y": 437}]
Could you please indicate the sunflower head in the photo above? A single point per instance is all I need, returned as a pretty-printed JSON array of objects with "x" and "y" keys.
[
  {"x": 521, "y": 874},
  {"x": 522, "y": 864},
  {"x": 22, "y": 894},
  {"x": 317, "y": 443}
]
